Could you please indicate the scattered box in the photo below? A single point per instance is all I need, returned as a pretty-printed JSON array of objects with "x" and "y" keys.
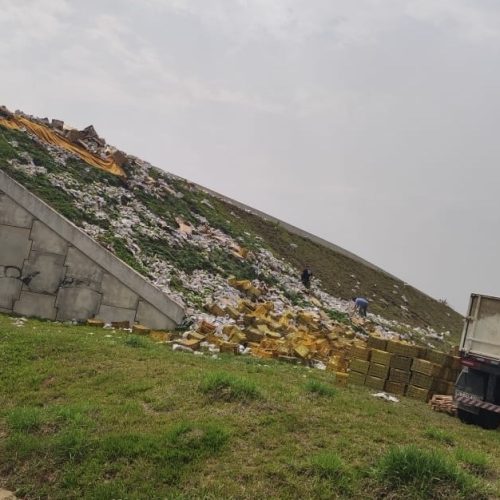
[
  {"x": 141, "y": 329},
  {"x": 121, "y": 325},
  {"x": 341, "y": 378},
  {"x": 160, "y": 336},
  {"x": 98, "y": 323},
  {"x": 229, "y": 347}
]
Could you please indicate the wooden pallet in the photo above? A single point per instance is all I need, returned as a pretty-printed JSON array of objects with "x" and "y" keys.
[{"x": 443, "y": 404}]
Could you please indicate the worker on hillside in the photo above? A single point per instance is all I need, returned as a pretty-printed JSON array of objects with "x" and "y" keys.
[
  {"x": 306, "y": 277},
  {"x": 360, "y": 305}
]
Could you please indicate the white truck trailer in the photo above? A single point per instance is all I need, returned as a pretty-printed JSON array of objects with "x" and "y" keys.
[{"x": 477, "y": 390}]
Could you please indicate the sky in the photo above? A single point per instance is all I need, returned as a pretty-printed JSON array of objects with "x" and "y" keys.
[{"x": 373, "y": 124}]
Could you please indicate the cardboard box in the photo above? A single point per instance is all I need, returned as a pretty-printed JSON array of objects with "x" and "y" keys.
[
  {"x": 401, "y": 362},
  {"x": 418, "y": 393},
  {"x": 421, "y": 380},
  {"x": 425, "y": 367},
  {"x": 395, "y": 387},
  {"x": 378, "y": 343},
  {"x": 437, "y": 357},
  {"x": 444, "y": 387},
  {"x": 407, "y": 350},
  {"x": 401, "y": 376},
  {"x": 341, "y": 378},
  {"x": 359, "y": 365},
  {"x": 375, "y": 382},
  {"x": 380, "y": 357},
  {"x": 359, "y": 352},
  {"x": 357, "y": 378},
  {"x": 378, "y": 370}
]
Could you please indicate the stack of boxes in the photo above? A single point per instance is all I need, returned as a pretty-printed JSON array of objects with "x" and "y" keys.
[
  {"x": 403, "y": 369},
  {"x": 360, "y": 363}
]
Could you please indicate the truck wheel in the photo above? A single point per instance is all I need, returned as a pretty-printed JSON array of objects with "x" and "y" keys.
[
  {"x": 488, "y": 419},
  {"x": 466, "y": 417}
]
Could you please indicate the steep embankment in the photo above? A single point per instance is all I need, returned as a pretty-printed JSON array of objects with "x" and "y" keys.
[{"x": 188, "y": 241}]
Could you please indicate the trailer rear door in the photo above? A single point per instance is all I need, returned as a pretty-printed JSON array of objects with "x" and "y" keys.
[{"x": 481, "y": 335}]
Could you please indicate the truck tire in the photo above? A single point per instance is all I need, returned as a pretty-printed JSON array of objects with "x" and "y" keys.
[
  {"x": 466, "y": 417},
  {"x": 488, "y": 420}
]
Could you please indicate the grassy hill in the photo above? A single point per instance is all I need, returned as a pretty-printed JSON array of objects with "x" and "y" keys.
[
  {"x": 140, "y": 219},
  {"x": 97, "y": 413}
]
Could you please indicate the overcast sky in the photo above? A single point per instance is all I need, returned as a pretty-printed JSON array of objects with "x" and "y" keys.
[{"x": 372, "y": 123}]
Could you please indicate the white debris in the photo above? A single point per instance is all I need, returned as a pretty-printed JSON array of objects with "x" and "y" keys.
[{"x": 386, "y": 397}]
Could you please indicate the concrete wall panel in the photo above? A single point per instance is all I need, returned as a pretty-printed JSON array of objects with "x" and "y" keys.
[
  {"x": 10, "y": 288},
  {"x": 45, "y": 240},
  {"x": 110, "y": 314},
  {"x": 149, "y": 316},
  {"x": 77, "y": 303},
  {"x": 43, "y": 272},
  {"x": 15, "y": 245},
  {"x": 11, "y": 214},
  {"x": 114, "y": 293},
  {"x": 36, "y": 304},
  {"x": 83, "y": 270}
]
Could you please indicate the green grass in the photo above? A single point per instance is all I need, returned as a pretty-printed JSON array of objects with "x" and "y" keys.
[
  {"x": 320, "y": 388},
  {"x": 226, "y": 387},
  {"x": 439, "y": 435},
  {"x": 475, "y": 461},
  {"x": 333, "y": 476},
  {"x": 136, "y": 341},
  {"x": 85, "y": 414},
  {"x": 416, "y": 473}
]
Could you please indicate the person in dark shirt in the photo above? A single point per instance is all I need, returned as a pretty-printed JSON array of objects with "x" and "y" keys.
[
  {"x": 306, "y": 277},
  {"x": 360, "y": 305}
]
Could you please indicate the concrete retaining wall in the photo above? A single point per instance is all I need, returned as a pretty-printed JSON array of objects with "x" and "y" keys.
[{"x": 51, "y": 269}]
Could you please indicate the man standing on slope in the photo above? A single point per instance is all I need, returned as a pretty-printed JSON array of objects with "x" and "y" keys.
[
  {"x": 306, "y": 277},
  {"x": 360, "y": 305}
]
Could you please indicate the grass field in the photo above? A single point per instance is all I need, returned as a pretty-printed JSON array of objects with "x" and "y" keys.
[{"x": 96, "y": 413}]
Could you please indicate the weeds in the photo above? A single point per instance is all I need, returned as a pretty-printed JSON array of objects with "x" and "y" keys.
[
  {"x": 439, "y": 435},
  {"x": 475, "y": 461},
  {"x": 320, "y": 388},
  {"x": 25, "y": 419},
  {"x": 416, "y": 473},
  {"x": 135, "y": 341},
  {"x": 339, "y": 316},
  {"x": 328, "y": 466},
  {"x": 225, "y": 387}
]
